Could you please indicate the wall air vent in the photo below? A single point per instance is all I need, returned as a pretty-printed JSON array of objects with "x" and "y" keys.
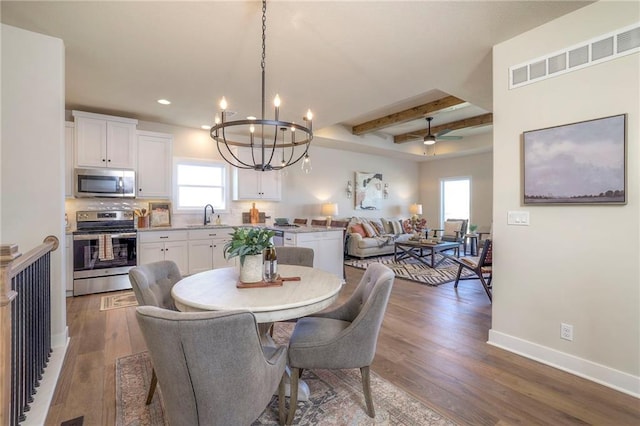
[{"x": 606, "y": 47}]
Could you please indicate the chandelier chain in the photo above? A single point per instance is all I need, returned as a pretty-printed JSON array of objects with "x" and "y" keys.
[{"x": 264, "y": 30}]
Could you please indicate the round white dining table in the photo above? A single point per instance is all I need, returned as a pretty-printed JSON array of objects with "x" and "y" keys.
[{"x": 215, "y": 290}]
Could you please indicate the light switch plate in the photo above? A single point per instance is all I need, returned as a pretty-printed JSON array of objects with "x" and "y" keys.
[{"x": 519, "y": 217}]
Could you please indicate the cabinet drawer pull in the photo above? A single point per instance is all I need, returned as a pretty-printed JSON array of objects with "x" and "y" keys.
[{"x": 165, "y": 236}]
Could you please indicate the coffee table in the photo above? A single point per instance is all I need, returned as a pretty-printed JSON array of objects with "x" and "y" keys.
[{"x": 423, "y": 250}]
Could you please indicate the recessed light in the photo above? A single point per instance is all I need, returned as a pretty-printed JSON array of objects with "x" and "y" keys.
[
  {"x": 205, "y": 127},
  {"x": 164, "y": 102}
]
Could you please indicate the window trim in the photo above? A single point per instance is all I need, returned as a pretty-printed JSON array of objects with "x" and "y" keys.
[{"x": 200, "y": 162}]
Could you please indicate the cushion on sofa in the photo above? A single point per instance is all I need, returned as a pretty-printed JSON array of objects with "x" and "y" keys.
[
  {"x": 371, "y": 243},
  {"x": 368, "y": 229},
  {"x": 377, "y": 225},
  {"x": 358, "y": 229},
  {"x": 397, "y": 227}
]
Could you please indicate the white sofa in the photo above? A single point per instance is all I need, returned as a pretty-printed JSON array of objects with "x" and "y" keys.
[{"x": 378, "y": 242}]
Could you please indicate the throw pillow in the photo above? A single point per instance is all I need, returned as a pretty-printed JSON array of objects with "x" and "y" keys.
[
  {"x": 357, "y": 228},
  {"x": 377, "y": 225},
  {"x": 421, "y": 224},
  {"x": 397, "y": 226},
  {"x": 388, "y": 227},
  {"x": 451, "y": 228},
  {"x": 368, "y": 229},
  {"x": 406, "y": 226}
]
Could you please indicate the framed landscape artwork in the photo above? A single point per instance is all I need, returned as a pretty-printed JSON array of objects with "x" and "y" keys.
[
  {"x": 369, "y": 191},
  {"x": 578, "y": 163}
]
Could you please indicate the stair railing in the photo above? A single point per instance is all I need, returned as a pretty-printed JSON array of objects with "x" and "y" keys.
[{"x": 25, "y": 326}]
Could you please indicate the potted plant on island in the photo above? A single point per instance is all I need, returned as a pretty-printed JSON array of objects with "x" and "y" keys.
[{"x": 248, "y": 243}]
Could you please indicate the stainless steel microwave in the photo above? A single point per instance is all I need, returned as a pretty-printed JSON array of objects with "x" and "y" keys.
[{"x": 105, "y": 183}]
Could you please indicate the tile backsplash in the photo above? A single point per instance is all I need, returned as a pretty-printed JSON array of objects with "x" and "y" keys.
[{"x": 233, "y": 216}]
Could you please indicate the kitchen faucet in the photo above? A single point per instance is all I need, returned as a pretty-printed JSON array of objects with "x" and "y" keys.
[{"x": 206, "y": 221}]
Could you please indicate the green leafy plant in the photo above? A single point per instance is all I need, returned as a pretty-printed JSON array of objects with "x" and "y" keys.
[
  {"x": 247, "y": 241},
  {"x": 473, "y": 228}
]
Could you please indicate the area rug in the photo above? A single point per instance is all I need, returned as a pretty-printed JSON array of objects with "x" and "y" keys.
[
  {"x": 120, "y": 300},
  {"x": 411, "y": 269},
  {"x": 336, "y": 397}
]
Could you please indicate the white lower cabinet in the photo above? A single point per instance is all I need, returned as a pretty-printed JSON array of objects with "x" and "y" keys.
[
  {"x": 206, "y": 249},
  {"x": 327, "y": 248},
  {"x": 164, "y": 245}
]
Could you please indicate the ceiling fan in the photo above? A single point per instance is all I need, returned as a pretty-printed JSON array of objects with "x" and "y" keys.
[{"x": 430, "y": 138}]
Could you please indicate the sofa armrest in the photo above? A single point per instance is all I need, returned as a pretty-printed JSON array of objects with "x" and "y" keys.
[{"x": 353, "y": 239}]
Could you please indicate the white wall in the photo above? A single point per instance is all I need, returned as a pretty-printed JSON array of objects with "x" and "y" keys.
[
  {"x": 573, "y": 264},
  {"x": 303, "y": 194},
  {"x": 32, "y": 203},
  {"x": 479, "y": 168}
]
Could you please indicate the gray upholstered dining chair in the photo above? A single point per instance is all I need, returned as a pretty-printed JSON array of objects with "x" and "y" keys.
[
  {"x": 211, "y": 366},
  {"x": 302, "y": 256},
  {"x": 344, "y": 337},
  {"x": 152, "y": 285}
]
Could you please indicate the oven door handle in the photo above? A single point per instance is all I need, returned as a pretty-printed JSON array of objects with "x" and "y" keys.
[{"x": 89, "y": 237}]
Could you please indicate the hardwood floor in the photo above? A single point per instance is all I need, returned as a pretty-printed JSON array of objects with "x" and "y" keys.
[{"x": 432, "y": 345}]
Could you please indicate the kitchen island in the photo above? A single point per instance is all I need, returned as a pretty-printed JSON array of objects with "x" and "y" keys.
[
  {"x": 327, "y": 244},
  {"x": 197, "y": 248}
]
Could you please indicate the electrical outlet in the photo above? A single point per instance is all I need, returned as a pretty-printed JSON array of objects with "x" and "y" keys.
[{"x": 566, "y": 331}]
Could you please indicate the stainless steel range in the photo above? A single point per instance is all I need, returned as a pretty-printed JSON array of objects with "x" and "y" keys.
[{"x": 104, "y": 249}]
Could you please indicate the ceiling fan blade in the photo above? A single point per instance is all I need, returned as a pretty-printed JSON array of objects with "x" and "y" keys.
[{"x": 442, "y": 132}]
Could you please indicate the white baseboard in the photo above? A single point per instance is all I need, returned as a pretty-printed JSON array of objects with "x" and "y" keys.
[
  {"x": 42, "y": 399},
  {"x": 60, "y": 339},
  {"x": 607, "y": 376}
]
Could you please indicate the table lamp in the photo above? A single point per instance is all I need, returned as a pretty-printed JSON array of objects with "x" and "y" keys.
[
  {"x": 415, "y": 210},
  {"x": 329, "y": 210}
]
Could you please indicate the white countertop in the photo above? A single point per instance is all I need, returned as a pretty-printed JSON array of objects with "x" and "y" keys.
[{"x": 291, "y": 229}]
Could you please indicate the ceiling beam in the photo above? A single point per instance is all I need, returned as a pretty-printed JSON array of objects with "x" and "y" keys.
[
  {"x": 410, "y": 114},
  {"x": 479, "y": 120}
]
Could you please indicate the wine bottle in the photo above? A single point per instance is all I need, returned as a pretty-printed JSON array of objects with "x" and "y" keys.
[{"x": 270, "y": 264}]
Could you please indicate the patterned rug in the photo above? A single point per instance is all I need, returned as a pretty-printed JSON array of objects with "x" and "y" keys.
[
  {"x": 411, "y": 269},
  {"x": 120, "y": 300},
  {"x": 336, "y": 397}
]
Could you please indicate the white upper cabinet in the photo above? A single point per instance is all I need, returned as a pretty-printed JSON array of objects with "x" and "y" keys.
[
  {"x": 104, "y": 141},
  {"x": 255, "y": 185},
  {"x": 154, "y": 165}
]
